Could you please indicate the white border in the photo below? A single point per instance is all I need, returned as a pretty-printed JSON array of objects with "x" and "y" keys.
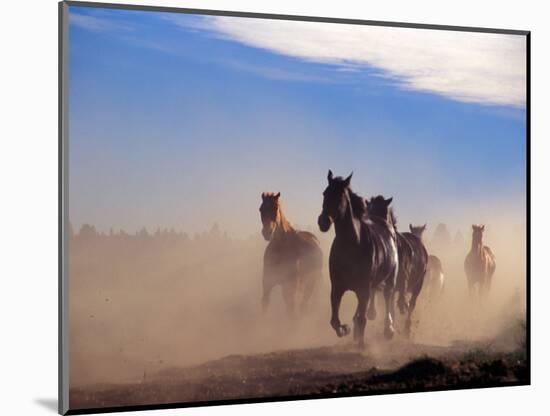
[{"x": 29, "y": 207}]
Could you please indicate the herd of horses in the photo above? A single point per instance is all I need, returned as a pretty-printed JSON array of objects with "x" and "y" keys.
[{"x": 368, "y": 255}]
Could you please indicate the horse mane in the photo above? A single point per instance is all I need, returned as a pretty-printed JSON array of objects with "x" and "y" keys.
[
  {"x": 285, "y": 224},
  {"x": 393, "y": 218},
  {"x": 357, "y": 204}
]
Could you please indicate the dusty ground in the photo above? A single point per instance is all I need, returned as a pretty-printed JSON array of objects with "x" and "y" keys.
[
  {"x": 169, "y": 319},
  {"x": 325, "y": 371}
]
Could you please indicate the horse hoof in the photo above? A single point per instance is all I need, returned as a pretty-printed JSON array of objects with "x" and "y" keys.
[
  {"x": 343, "y": 331},
  {"x": 388, "y": 332}
]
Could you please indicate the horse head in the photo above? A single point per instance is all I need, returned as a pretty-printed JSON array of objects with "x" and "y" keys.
[
  {"x": 269, "y": 213},
  {"x": 378, "y": 206},
  {"x": 477, "y": 232},
  {"x": 418, "y": 230},
  {"x": 335, "y": 201}
]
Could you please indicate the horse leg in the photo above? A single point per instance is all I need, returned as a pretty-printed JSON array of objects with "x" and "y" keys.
[
  {"x": 310, "y": 280},
  {"x": 471, "y": 288},
  {"x": 371, "y": 313},
  {"x": 488, "y": 283},
  {"x": 485, "y": 287},
  {"x": 359, "y": 320},
  {"x": 267, "y": 287},
  {"x": 336, "y": 294},
  {"x": 412, "y": 305},
  {"x": 400, "y": 288},
  {"x": 482, "y": 279},
  {"x": 390, "y": 310},
  {"x": 289, "y": 296},
  {"x": 488, "y": 278},
  {"x": 481, "y": 288}
]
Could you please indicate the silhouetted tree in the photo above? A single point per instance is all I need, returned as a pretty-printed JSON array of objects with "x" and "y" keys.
[
  {"x": 87, "y": 231},
  {"x": 215, "y": 232},
  {"x": 143, "y": 233}
]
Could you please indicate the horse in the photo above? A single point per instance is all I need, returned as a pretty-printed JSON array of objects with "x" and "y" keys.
[
  {"x": 413, "y": 259},
  {"x": 363, "y": 256},
  {"x": 292, "y": 258},
  {"x": 416, "y": 272},
  {"x": 435, "y": 278},
  {"x": 480, "y": 263}
]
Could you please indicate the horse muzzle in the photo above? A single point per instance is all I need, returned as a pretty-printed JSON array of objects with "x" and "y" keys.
[
  {"x": 324, "y": 222},
  {"x": 267, "y": 233}
]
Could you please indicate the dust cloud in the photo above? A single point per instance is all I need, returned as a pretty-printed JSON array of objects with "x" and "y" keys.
[{"x": 144, "y": 303}]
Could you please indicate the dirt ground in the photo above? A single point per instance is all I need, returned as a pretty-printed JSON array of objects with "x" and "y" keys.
[{"x": 321, "y": 372}]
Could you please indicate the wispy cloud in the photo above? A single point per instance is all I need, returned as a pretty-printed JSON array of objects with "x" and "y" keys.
[
  {"x": 98, "y": 23},
  {"x": 468, "y": 67},
  {"x": 274, "y": 73}
]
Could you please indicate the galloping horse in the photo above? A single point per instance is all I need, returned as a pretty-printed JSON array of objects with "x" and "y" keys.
[
  {"x": 292, "y": 259},
  {"x": 417, "y": 269},
  {"x": 435, "y": 280},
  {"x": 363, "y": 255},
  {"x": 480, "y": 263},
  {"x": 413, "y": 259}
]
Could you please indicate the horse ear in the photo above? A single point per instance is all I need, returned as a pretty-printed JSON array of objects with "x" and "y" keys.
[
  {"x": 329, "y": 177},
  {"x": 278, "y": 195},
  {"x": 388, "y": 201},
  {"x": 348, "y": 179},
  {"x": 482, "y": 228},
  {"x": 425, "y": 225},
  {"x": 263, "y": 196},
  {"x": 410, "y": 227}
]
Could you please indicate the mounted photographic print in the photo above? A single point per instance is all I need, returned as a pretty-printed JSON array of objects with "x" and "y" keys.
[{"x": 263, "y": 207}]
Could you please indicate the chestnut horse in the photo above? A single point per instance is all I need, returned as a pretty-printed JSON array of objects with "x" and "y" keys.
[
  {"x": 480, "y": 263},
  {"x": 292, "y": 259},
  {"x": 363, "y": 256}
]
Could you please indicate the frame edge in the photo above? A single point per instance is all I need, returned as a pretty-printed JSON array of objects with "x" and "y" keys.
[{"x": 63, "y": 292}]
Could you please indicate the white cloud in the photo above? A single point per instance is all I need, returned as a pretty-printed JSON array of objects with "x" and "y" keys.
[{"x": 469, "y": 67}]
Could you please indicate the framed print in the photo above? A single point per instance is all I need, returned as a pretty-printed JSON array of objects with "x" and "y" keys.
[{"x": 266, "y": 207}]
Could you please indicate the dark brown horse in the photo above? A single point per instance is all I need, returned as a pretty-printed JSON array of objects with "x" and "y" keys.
[
  {"x": 435, "y": 279},
  {"x": 480, "y": 263},
  {"x": 413, "y": 259},
  {"x": 292, "y": 259},
  {"x": 363, "y": 256},
  {"x": 416, "y": 272}
]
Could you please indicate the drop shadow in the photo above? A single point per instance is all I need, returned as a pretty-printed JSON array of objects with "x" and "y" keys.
[{"x": 48, "y": 404}]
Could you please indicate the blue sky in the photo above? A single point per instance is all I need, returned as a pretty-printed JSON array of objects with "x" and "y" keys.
[{"x": 181, "y": 120}]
